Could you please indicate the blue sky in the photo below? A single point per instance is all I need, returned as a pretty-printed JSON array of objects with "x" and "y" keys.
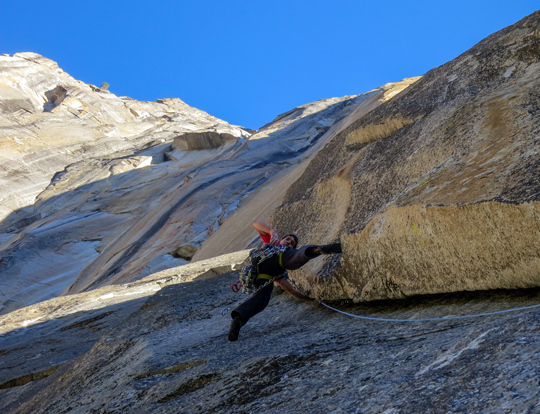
[{"x": 248, "y": 61}]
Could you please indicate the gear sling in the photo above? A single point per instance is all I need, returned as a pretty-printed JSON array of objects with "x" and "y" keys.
[{"x": 252, "y": 272}]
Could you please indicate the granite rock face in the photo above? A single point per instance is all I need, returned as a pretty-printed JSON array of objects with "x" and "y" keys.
[
  {"x": 431, "y": 184},
  {"x": 98, "y": 189},
  {"x": 79, "y": 167},
  {"x": 160, "y": 345},
  {"x": 435, "y": 190}
]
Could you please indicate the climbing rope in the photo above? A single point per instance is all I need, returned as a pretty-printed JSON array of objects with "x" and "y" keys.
[
  {"x": 372, "y": 318},
  {"x": 445, "y": 318}
]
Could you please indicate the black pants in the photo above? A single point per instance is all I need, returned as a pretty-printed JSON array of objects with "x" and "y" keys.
[{"x": 256, "y": 303}]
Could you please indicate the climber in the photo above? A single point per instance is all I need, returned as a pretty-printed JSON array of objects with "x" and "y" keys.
[{"x": 274, "y": 269}]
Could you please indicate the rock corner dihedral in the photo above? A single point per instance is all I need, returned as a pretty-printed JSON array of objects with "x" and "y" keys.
[
  {"x": 431, "y": 185},
  {"x": 437, "y": 189}
]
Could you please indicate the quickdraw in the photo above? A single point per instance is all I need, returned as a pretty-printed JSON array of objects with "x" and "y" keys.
[{"x": 235, "y": 287}]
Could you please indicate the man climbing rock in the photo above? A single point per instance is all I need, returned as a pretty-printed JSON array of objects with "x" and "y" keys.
[{"x": 275, "y": 269}]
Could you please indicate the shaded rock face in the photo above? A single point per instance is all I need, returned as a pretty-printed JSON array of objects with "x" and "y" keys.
[
  {"x": 437, "y": 189},
  {"x": 200, "y": 141},
  {"x": 186, "y": 252},
  {"x": 160, "y": 345},
  {"x": 55, "y": 96}
]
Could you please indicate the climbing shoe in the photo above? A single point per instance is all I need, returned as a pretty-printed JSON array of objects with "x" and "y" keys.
[
  {"x": 330, "y": 248},
  {"x": 234, "y": 330}
]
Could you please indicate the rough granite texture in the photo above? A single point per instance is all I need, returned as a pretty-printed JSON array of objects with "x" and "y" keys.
[
  {"x": 435, "y": 190},
  {"x": 168, "y": 352},
  {"x": 431, "y": 185},
  {"x": 97, "y": 189}
]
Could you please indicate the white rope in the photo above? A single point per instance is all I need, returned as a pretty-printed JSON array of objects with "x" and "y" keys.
[
  {"x": 371, "y": 318},
  {"x": 446, "y": 318}
]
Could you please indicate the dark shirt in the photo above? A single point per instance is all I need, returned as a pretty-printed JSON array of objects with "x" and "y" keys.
[{"x": 291, "y": 259}]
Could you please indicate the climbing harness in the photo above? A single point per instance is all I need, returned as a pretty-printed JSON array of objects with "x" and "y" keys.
[{"x": 249, "y": 274}]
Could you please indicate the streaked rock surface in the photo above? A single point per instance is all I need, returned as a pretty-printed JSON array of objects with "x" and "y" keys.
[
  {"x": 160, "y": 345},
  {"x": 436, "y": 190},
  {"x": 79, "y": 167},
  {"x": 99, "y": 189},
  {"x": 431, "y": 190}
]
